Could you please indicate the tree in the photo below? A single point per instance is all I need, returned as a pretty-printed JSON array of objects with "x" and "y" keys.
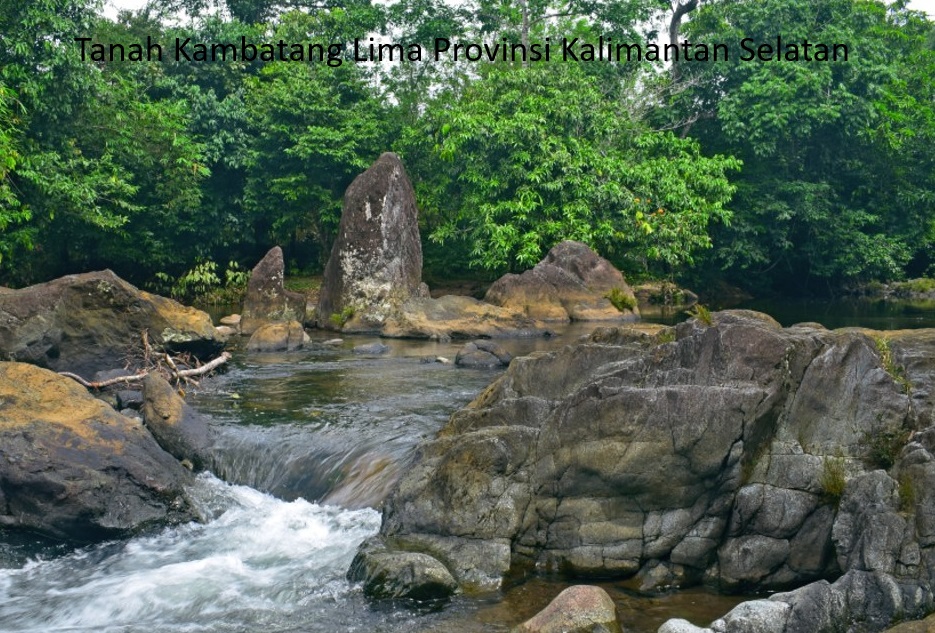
[
  {"x": 837, "y": 176},
  {"x": 532, "y": 156},
  {"x": 315, "y": 127}
]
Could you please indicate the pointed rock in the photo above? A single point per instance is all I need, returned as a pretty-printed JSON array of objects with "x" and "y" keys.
[{"x": 376, "y": 261}]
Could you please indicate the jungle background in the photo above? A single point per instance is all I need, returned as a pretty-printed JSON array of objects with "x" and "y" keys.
[{"x": 778, "y": 177}]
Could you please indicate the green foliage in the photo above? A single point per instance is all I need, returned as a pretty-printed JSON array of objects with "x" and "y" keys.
[
  {"x": 897, "y": 372},
  {"x": 202, "y": 284},
  {"x": 527, "y": 157},
  {"x": 800, "y": 198},
  {"x": 621, "y": 300},
  {"x": 882, "y": 446},
  {"x": 668, "y": 294},
  {"x": 922, "y": 285},
  {"x": 833, "y": 478},
  {"x": 339, "y": 319},
  {"x": 702, "y": 313},
  {"x": 666, "y": 336},
  {"x": 907, "y": 493}
]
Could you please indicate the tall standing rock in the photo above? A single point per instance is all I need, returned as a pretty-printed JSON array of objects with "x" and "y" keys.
[
  {"x": 267, "y": 300},
  {"x": 376, "y": 261}
]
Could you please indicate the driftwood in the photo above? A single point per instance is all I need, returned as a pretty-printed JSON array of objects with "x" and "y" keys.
[{"x": 175, "y": 373}]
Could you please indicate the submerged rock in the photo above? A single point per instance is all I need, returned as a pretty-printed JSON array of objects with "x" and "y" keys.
[
  {"x": 267, "y": 300},
  {"x": 483, "y": 353},
  {"x": 736, "y": 453},
  {"x": 578, "y": 609},
  {"x": 372, "y": 349},
  {"x": 72, "y": 468},
  {"x": 93, "y": 321},
  {"x": 376, "y": 261},
  {"x": 572, "y": 283}
]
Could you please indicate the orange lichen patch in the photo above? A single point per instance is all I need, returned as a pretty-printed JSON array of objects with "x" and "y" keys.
[{"x": 32, "y": 396}]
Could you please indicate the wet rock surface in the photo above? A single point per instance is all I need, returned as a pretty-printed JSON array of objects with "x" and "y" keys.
[
  {"x": 94, "y": 321},
  {"x": 395, "y": 575},
  {"x": 738, "y": 454},
  {"x": 72, "y": 468},
  {"x": 178, "y": 429}
]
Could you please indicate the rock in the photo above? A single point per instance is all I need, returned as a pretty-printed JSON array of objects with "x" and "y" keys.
[
  {"x": 754, "y": 616},
  {"x": 373, "y": 349},
  {"x": 267, "y": 300},
  {"x": 457, "y": 317},
  {"x": 400, "y": 575},
  {"x": 179, "y": 430},
  {"x": 231, "y": 320},
  {"x": 278, "y": 337},
  {"x": 224, "y": 332},
  {"x": 74, "y": 469},
  {"x": 920, "y": 626},
  {"x": 333, "y": 342},
  {"x": 733, "y": 453},
  {"x": 570, "y": 284},
  {"x": 678, "y": 625},
  {"x": 578, "y": 609},
  {"x": 89, "y": 322},
  {"x": 664, "y": 293},
  {"x": 482, "y": 353},
  {"x": 376, "y": 261},
  {"x": 129, "y": 399}
]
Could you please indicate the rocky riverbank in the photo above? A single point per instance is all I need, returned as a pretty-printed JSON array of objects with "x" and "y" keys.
[{"x": 735, "y": 453}]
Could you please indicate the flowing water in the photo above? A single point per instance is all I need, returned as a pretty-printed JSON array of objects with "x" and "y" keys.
[{"x": 308, "y": 443}]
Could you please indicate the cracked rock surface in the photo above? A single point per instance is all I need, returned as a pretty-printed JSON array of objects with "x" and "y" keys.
[{"x": 739, "y": 454}]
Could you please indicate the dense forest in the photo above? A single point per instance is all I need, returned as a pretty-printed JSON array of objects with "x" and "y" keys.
[{"x": 774, "y": 173}]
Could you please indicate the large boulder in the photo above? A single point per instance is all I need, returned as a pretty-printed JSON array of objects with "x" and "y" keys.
[
  {"x": 733, "y": 452},
  {"x": 266, "y": 299},
  {"x": 178, "y": 429},
  {"x": 94, "y": 321},
  {"x": 572, "y": 283},
  {"x": 459, "y": 317},
  {"x": 72, "y": 468},
  {"x": 278, "y": 337},
  {"x": 376, "y": 261}
]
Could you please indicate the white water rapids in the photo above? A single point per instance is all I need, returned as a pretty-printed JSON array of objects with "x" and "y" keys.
[{"x": 257, "y": 564}]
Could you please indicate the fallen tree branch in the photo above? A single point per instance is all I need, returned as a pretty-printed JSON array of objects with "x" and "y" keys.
[{"x": 175, "y": 373}]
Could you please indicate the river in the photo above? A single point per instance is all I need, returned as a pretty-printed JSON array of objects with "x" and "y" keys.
[{"x": 308, "y": 444}]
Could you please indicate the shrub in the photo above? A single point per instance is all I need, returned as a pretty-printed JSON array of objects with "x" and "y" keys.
[
  {"x": 882, "y": 446},
  {"x": 620, "y": 299},
  {"x": 701, "y": 313},
  {"x": 833, "y": 479}
]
